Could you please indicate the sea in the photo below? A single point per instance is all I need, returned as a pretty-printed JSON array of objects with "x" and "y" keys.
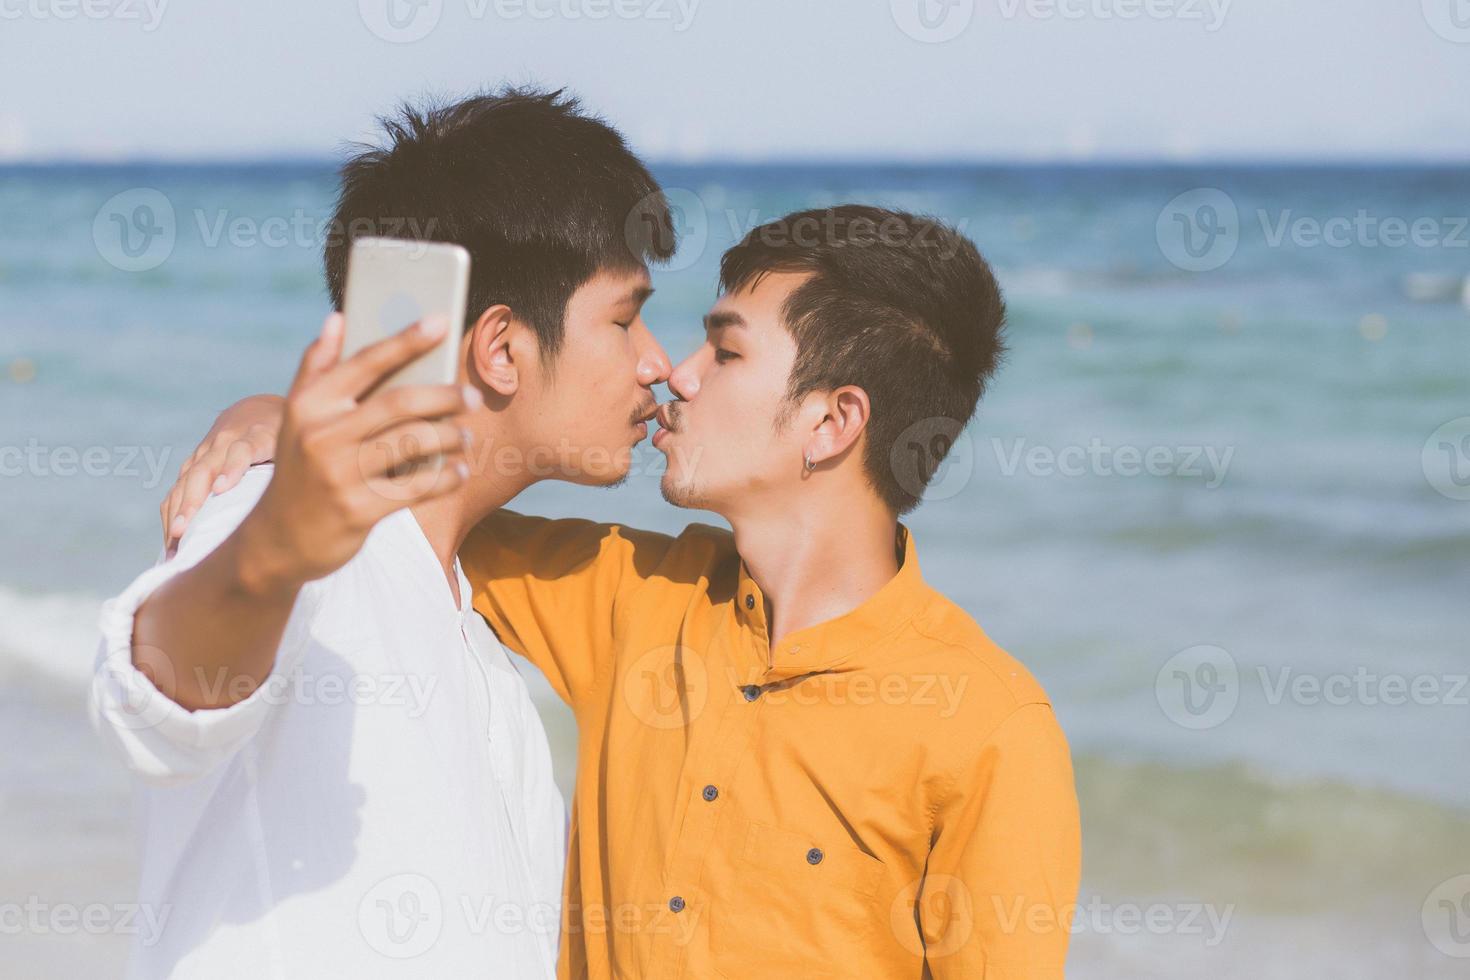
[{"x": 1217, "y": 499}]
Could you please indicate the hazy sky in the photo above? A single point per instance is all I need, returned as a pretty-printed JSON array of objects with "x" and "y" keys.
[{"x": 754, "y": 79}]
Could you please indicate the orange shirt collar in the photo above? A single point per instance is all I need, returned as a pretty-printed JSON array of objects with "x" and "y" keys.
[{"x": 852, "y": 641}]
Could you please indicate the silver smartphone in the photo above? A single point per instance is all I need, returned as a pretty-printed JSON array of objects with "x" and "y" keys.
[{"x": 393, "y": 282}]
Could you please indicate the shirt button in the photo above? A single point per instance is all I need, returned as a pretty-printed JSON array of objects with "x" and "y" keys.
[
  {"x": 814, "y": 856},
  {"x": 676, "y": 904},
  {"x": 751, "y": 692},
  {"x": 749, "y": 601},
  {"x": 710, "y": 793}
]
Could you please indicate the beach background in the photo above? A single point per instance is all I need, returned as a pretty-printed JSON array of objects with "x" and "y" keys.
[
  {"x": 1217, "y": 498},
  {"x": 1291, "y": 513}
]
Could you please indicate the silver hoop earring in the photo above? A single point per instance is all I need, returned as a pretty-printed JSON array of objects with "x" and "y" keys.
[{"x": 807, "y": 459}]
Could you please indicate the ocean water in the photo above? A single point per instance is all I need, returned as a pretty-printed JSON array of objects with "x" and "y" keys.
[{"x": 1218, "y": 499}]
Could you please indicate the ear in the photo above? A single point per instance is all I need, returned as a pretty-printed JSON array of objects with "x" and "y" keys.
[
  {"x": 846, "y": 416},
  {"x": 490, "y": 350}
]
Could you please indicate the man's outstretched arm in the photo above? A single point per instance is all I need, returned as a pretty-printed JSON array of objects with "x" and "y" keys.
[{"x": 208, "y": 636}]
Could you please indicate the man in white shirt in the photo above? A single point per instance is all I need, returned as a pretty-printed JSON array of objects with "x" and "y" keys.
[{"x": 343, "y": 773}]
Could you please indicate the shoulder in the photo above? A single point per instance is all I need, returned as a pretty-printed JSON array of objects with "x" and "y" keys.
[{"x": 998, "y": 683}]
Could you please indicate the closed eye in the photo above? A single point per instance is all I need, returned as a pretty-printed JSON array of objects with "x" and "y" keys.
[{"x": 722, "y": 355}]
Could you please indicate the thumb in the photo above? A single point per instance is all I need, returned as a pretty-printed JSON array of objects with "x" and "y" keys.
[{"x": 322, "y": 354}]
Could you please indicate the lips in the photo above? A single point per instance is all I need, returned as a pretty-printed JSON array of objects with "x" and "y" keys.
[{"x": 667, "y": 417}]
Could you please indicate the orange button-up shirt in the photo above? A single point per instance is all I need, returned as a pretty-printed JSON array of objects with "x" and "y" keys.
[{"x": 886, "y": 794}]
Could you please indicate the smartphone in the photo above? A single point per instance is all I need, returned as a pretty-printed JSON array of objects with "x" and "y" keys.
[{"x": 393, "y": 282}]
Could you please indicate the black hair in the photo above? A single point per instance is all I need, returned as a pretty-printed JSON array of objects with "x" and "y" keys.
[
  {"x": 542, "y": 195},
  {"x": 900, "y": 305}
]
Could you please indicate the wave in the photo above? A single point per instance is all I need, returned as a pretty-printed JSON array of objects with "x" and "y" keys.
[{"x": 48, "y": 637}]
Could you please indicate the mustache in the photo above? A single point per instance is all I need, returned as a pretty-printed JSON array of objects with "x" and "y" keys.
[
  {"x": 644, "y": 411},
  {"x": 669, "y": 418}
]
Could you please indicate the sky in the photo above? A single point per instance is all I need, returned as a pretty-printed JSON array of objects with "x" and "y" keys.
[{"x": 691, "y": 80}]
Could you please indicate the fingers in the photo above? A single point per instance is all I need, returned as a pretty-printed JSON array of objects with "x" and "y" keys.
[
  {"x": 410, "y": 442},
  {"x": 396, "y": 405},
  {"x": 194, "y": 490},
  {"x": 321, "y": 354},
  {"x": 238, "y": 459},
  {"x": 369, "y": 367},
  {"x": 425, "y": 482}
]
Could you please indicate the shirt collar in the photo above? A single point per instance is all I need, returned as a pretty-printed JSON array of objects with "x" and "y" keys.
[{"x": 851, "y": 641}]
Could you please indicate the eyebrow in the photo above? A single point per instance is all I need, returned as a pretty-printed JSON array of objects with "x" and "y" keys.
[
  {"x": 722, "y": 318},
  {"x": 638, "y": 295}
]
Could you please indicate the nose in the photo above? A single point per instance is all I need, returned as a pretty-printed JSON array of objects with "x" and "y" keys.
[
  {"x": 684, "y": 379},
  {"x": 653, "y": 360}
]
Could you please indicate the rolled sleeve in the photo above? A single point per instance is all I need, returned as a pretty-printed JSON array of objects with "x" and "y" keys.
[{"x": 157, "y": 738}]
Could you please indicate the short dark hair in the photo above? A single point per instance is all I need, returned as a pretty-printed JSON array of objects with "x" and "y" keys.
[
  {"x": 902, "y": 306},
  {"x": 541, "y": 194}
]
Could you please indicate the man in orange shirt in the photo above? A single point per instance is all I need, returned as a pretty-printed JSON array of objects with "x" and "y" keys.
[{"x": 795, "y": 757}]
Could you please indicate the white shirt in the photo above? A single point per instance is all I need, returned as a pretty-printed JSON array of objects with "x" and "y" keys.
[{"x": 382, "y": 806}]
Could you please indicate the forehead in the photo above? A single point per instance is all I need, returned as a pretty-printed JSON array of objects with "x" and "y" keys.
[{"x": 761, "y": 305}]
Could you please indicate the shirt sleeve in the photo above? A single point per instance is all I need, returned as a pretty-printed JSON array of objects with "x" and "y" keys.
[
  {"x": 1004, "y": 869},
  {"x": 551, "y": 589},
  {"x": 157, "y": 738}
]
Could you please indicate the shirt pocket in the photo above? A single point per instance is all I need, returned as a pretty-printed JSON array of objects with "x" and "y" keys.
[{"x": 797, "y": 904}]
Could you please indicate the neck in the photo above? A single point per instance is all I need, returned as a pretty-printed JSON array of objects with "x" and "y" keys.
[
  {"x": 818, "y": 561},
  {"x": 446, "y": 521}
]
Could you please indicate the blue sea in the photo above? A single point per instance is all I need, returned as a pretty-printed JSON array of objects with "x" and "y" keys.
[{"x": 1217, "y": 499}]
